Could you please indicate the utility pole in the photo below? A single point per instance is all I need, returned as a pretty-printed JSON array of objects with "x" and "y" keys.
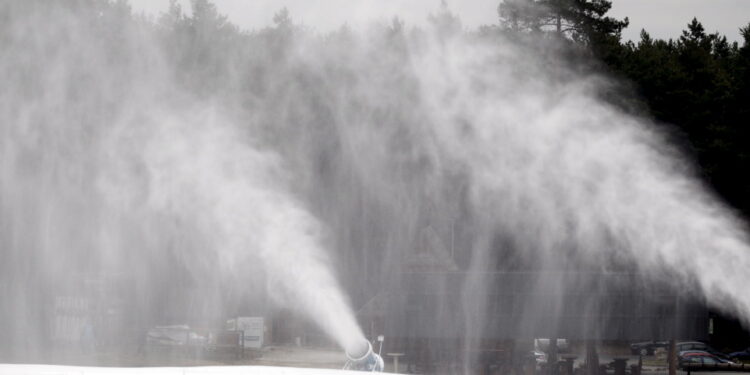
[
  {"x": 592, "y": 358},
  {"x": 672, "y": 357}
]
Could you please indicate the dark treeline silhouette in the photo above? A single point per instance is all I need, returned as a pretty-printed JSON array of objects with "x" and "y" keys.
[{"x": 698, "y": 84}]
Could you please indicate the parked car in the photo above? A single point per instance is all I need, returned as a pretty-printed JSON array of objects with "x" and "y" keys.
[
  {"x": 542, "y": 345},
  {"x": 743, "y": 355},
  {"x": 174, "y": 335},
  {"x": 700, "y": 357},
  {"x": 647, "y": 347},
  {"x": 539, "y": 357},
  {"x": 697, "y": 345},
  {"x": 684, "y": 346}
]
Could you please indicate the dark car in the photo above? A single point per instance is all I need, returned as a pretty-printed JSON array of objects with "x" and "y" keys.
[
  {"x": 700, "y": 357},
  {"x": 647, "y": 347},
  {"x": 697, "y": 345},
  {"x": 743, "y": 355}
]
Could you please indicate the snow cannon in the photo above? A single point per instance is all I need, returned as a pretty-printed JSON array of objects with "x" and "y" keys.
[{"x": 363, "y": 358}]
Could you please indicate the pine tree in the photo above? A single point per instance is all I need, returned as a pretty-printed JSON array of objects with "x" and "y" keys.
[{"x": 580, "y": 20}]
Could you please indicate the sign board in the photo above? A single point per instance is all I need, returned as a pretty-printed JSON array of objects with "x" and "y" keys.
[{"x": 252, "y": 328}]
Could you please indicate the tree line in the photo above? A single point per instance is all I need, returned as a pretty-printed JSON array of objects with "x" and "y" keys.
[{"x": 697, "y": 85}]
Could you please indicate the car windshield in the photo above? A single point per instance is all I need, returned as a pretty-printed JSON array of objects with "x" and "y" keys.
[{"x": 710, "y": 360}]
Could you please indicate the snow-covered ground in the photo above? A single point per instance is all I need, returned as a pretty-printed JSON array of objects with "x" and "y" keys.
[{"x": 211, "y": 370}]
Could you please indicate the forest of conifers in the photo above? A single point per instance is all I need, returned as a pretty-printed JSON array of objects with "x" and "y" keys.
[{"x": 697, "y": 83}]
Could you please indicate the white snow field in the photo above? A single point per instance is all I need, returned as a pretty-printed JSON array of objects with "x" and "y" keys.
[{"x": 209, "y": 370}]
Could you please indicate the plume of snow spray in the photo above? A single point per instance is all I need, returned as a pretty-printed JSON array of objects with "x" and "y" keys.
[{"x": 167, "y": 161}]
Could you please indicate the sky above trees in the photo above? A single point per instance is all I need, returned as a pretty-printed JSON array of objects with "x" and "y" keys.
[{"x": 661, "y": 18}]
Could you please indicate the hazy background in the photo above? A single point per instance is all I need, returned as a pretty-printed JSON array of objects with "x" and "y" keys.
[{"x": 182, "y": 172}]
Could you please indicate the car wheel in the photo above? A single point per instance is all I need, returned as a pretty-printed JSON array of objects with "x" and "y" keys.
[{"x": 644, "y": 352}]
